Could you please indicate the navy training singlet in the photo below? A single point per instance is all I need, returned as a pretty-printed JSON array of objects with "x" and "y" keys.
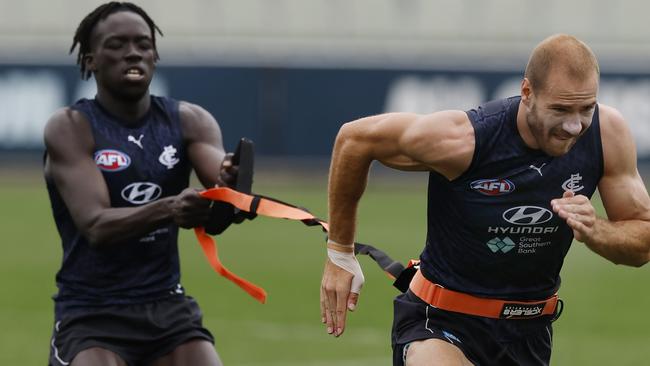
[
  {"x": 140, "y": 163},
  {"x": 492, "y": 231}
]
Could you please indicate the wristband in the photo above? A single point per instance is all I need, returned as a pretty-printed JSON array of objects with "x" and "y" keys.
[
  {"x": 331, "y": 244},
  {"x": 348, "y": 261}
]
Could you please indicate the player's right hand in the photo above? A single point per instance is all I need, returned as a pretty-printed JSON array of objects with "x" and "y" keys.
[
  {"x": 189, "y": 209},
  {"x": 579, "y": 214}
]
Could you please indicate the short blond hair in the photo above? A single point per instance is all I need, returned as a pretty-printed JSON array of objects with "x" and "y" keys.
[{"x": 563, "y": 51}]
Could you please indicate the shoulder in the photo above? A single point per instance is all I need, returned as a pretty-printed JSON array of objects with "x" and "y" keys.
[
  {"x": 610, "y": 119},
  {"x": 442, "y": 141},
  {"x": 409, "y": 128},
  {"x": 452, "y": 123},
  {"x": 193, "y": 112},
  {"x": 68, "y": 138},
  {"x": 196, "y": 122},
  {"x": 67, "y": 126},
  {"x": 434, "y": 131},
  {"x": 447, "y": 141},
  {"x": 619, "y": 150},
  {"x": 614, "y": 129},
  {"x": 65, "y": 117}
]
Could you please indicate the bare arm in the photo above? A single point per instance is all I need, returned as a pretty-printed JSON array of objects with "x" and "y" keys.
[
  {"x": 70, "y": 163},
  {"x": 624, "y": 237},
  {"x": 443, "y": 142},
  {"x": 204, "y": 144}
]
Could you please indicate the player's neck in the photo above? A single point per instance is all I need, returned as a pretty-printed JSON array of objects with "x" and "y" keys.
[
  {"x": 126, "y": 110},
  {"x": 524, "y": 130}
]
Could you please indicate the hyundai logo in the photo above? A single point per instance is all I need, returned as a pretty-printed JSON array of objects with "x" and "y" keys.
[
  {"x": 139, "y": 193},
  {"x": 527, "y": 215}
]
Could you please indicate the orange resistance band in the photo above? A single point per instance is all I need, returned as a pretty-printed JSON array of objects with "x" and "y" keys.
[
  {"x": 442, "y": 298},
  {"x": 431, "y": 293},
  {"x": 256, "y": 204},
  {"x": 210, "y": 250}
]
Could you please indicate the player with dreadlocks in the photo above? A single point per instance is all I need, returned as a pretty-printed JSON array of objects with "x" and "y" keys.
[
  {"x": 117, "y": 170},
  {"x": 82, "y": 36}
]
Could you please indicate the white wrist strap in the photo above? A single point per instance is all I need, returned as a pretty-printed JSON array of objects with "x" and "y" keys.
[{"x": 349, "y": 262}]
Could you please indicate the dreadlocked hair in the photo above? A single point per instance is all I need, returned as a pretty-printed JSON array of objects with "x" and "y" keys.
[{"x": 85, "y": 28}]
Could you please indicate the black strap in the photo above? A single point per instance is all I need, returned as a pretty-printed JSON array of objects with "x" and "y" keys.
[
  {"x": 395, "y": 269},
  {"x": 386, "y": 263}
]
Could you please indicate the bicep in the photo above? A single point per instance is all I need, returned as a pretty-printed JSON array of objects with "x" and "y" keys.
[
  {"x": 621, "y": 188},
  {"x": 204, "y": 143},
  {"x": 441, "y": 141},
  {"x": 72, "y": 168}
]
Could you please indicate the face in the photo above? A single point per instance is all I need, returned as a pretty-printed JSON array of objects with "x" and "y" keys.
[
  {"x": 122, "y": 56},
  {"x": 560, "y": 113}
]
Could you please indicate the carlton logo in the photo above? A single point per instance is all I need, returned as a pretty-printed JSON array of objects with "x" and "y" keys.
[
  {"x": 493, "y": 187},
  {"x": 112, "y": 160}
]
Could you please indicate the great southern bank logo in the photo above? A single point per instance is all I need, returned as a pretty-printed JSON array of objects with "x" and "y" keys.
[
  {"x": 504, "y": 245},
  {"x": 492, "y": 187},
  {"x": 112, "y": 160}
]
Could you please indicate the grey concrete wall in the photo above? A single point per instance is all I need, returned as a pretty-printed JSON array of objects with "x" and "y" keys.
[{"x": 350, "y": 33}]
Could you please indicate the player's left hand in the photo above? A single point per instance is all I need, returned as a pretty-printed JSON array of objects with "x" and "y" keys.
[
  {"x": 579, "y": 214},
  {"x": 228, "y": 171}
]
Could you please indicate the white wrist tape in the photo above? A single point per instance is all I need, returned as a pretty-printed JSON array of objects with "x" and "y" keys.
[{"x": 349, "y": 262}]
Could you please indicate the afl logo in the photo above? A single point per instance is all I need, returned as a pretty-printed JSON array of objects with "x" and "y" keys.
[
  {"x": 112, "y": 160},
  {"x": 527, "y": 215},
  {"x": 492, "y": 187},
  {"x": 141, "y": 192}
]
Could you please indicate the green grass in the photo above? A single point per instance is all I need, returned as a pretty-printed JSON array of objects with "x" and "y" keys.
[{"x": 605, "y": 321}]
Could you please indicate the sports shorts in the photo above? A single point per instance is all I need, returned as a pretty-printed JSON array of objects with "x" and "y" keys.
[
  {"x": 138, "y": 333},
  {"x": 484, "y": 341}
]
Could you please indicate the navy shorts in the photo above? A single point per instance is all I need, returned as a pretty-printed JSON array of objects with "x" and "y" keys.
[
  {"x": 484, "y": 341},
  {"x": 138, "y": 333}
]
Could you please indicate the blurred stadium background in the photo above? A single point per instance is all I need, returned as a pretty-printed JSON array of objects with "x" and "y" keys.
[{"x": 288, "y": 73}]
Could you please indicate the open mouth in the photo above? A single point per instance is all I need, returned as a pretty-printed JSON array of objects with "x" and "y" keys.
[{"x": 134, "y": 74}]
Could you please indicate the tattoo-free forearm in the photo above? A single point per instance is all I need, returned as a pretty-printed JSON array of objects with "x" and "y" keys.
[
  {"x": 347, "y": 182},
  {"x": 116, "y": 225},
  {"x": 622, "y": 242}
]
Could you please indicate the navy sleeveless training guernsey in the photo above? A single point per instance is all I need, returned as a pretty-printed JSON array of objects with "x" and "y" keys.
[
  {"x": 492, "y": 231},
  {"x": 140, "y": 163}
]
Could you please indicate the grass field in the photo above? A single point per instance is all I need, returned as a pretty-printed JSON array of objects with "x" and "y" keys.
[{"x": 605, "y": 321}]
